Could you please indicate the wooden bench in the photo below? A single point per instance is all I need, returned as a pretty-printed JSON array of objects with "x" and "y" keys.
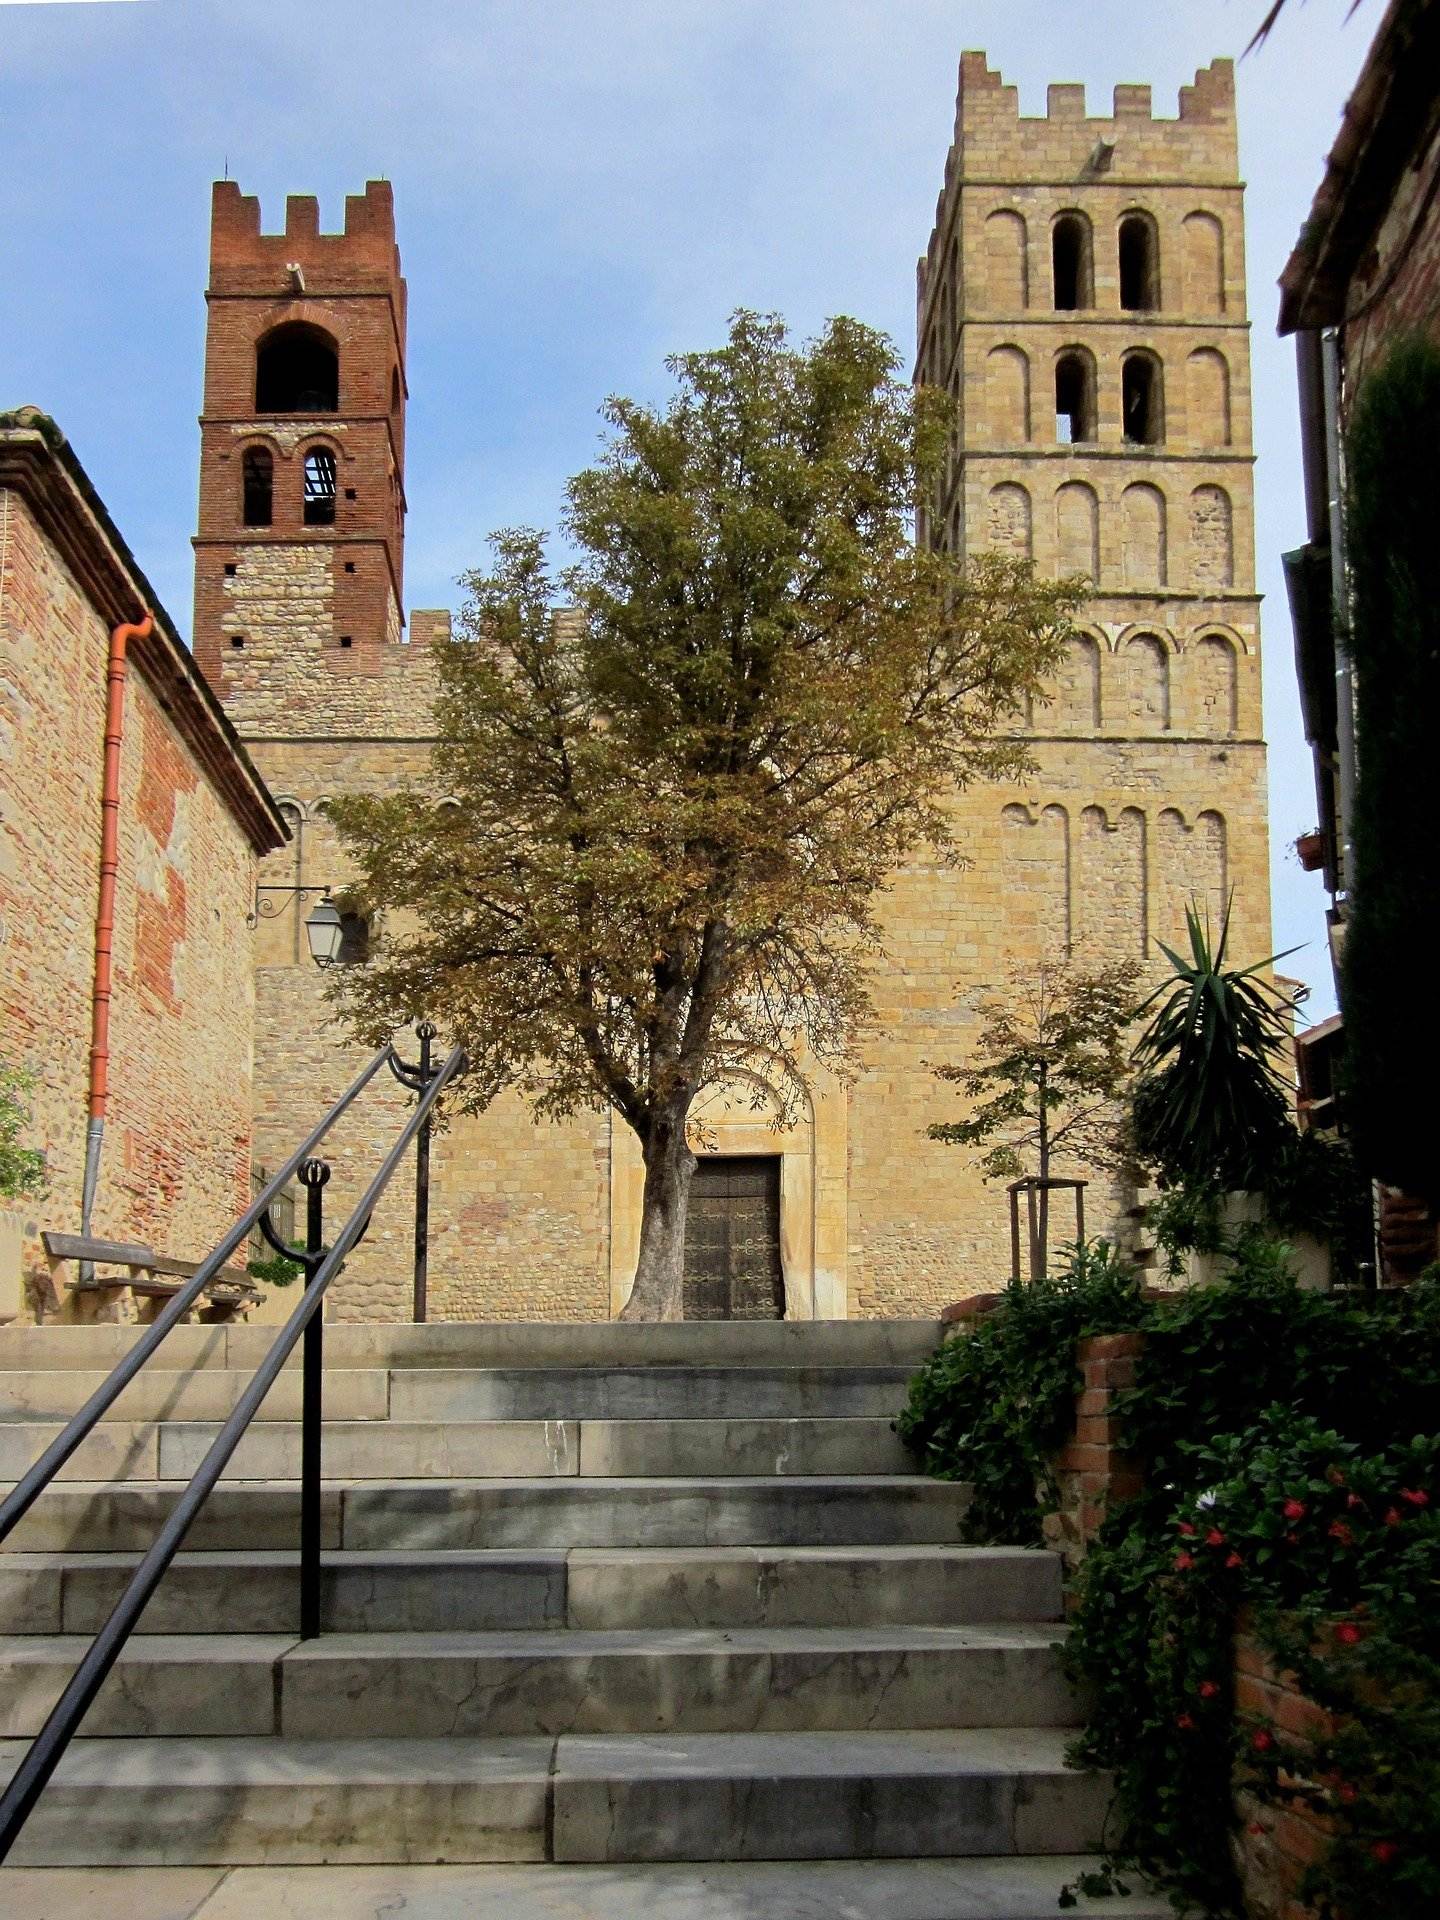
[{"x": 152, "y": 1277}]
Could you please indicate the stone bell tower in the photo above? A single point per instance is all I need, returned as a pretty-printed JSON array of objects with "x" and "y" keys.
[
  {"x": 1083, "y": 298},
  {"x": 298, "y": 571}
]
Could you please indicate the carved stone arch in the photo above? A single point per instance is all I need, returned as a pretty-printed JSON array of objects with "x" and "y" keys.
[
  {"x": 1146, "y": 536},
  {"x": 1009, "y": 525},
  {"x": 1213, "y": 672},
  {"x": 1072, "y": 261},
  {"x": 1111, "y": 884},
  {"x": 1212, "y": 538},
  {"x": 1076, "y": 704},
  {"x": 1193, "y": 866},
  {"x": 1007, "y": 261},
  {"x": 1233, "y": 634},
  {"x": 1203, "y": 273},
  {"x": 1137, "y": 245},
  {"x": 1145, "y": 658},
  {"x": 1207, "y": 398},
  {"x": 1035, "y": 878},
  {"x": 736, "y": 1114},
  {"x": 1007, "y": 394},
  {"x": 1077, "y": 530}
]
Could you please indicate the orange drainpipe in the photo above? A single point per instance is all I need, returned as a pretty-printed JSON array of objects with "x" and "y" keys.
[{"x": 120, "y": 639}]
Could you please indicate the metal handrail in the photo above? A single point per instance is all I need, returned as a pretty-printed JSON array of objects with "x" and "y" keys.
[
  {"x": 49, "y": 1745},
  {"x": 22, "y": 1495}
]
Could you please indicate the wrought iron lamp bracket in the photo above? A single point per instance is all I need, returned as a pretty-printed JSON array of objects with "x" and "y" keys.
[{"x": 264, "y": 909}]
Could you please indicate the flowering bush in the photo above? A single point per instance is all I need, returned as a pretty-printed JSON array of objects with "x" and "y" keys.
[
  {"x": 1295, "y": 1475},
  {"x": 1332, "y": 1553}
]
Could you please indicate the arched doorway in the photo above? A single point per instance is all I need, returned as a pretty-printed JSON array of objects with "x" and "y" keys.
[{"x": 733, "y": 1269}]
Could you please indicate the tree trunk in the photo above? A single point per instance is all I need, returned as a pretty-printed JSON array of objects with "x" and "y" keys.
[{"x": 659, "y": 1290}]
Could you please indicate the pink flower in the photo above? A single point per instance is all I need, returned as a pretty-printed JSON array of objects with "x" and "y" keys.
[
  {"x": 1262, "y": 1741},
  {"x": 1294, "y": 1509},
  {"x": 1208, "y": 1689},
  {"x": 1214, "y": 1538},
  {"x": 1416, "y": 1496},
  {"x": 1233, "y": 1560},
  {"x": 1185, "y": 1722},
  {"x": 1354, "y": 1503},
  {"x": 1348, "y": 1634},
  {"x": 1184, "y": 1562},
  {"x": 1346, "y": 1793},
  {"x": 1394, "y": 1517},
  {"x": 1384, "y": 1851},
  {"x": 1339, "y": 1531},
  {"x": 1187, "y": 1528}
]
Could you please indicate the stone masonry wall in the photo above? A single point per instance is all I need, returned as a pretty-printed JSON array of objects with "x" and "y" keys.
[
  {"x": 175, "y": 1167},
  {"x": 1149, "y": 786}
]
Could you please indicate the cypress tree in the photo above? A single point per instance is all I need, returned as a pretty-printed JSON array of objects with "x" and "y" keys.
[{"x": 1392, "y": 941}]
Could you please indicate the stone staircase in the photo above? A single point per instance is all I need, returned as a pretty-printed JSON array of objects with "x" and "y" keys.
[{"x": 592, "y": 1594}]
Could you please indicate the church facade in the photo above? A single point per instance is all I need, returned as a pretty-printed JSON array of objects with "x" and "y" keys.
[{"x": 1082, "y": 296}]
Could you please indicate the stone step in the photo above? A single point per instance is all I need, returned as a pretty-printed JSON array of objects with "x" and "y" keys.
[
  {"x": 661, "y": 1680},
  {"x": 647, "y": 1393},
  {"x": 123, "y": 1801},
  {"x": 673, "y": 1680},
  {"x": 983, "y": 1889},
  {"x": 595, "y": 1588},
  {"x": 160, "y": 1393},
  {"x": 857, "y": 1510},
  {"x": 508, "y": 1449},
  {"x": 819, "y": 1796},
  {"x": 501, "y": 1344},
  {"x": 737, "y": 1797}
]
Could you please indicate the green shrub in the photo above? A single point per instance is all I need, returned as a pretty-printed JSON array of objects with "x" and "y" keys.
[
  {"x": 1294, "y": 1469},
  {"x": 22, "y": 1169},
  {"x": 997, "y": 1400}
]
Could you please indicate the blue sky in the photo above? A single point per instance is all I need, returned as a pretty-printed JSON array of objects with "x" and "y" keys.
[{"x": 581, "y": 186}]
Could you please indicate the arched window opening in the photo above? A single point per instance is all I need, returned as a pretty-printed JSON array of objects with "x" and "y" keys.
[
  {"x": 257, "y": 482},
  {"x": 319, "y": 487},
  {"x": 1074, "y": 400},
  {"x": 1139, "y": 264},
  {"x": 297, "y": 370},
  {"x": 1070, "y": 259},
  {"x": 354, "y": 940},
  {"x": 1142, "y": 401}
]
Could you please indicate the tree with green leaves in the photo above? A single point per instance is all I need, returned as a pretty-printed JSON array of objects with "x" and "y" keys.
[
  {"x": 687, "y": 763},
  {"x": 1211, "y": 1111},
  {"x": 22, "y": 1169},
  {"x": 1047, "y": 1076}
]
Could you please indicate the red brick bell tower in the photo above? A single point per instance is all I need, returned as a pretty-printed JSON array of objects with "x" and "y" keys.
[{"x": 298, "y": 558}]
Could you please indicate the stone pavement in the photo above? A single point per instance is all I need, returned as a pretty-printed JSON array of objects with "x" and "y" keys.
[{"x": 893, "y": 1890}]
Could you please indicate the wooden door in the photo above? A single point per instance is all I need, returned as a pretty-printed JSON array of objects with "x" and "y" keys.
[{"x": 732, "y": 1239}]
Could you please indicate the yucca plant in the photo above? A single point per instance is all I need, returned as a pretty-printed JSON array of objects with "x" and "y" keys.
[{"x": 1210, "y": 1108}]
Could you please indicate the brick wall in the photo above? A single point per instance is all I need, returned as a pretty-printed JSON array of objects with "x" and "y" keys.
[
  {"x": 175, "y": 1168},
  {"x": 1275, "y": 1844}
]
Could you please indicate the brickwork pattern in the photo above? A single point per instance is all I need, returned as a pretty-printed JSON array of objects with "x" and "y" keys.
[{"x": 176, "y": 1161}]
